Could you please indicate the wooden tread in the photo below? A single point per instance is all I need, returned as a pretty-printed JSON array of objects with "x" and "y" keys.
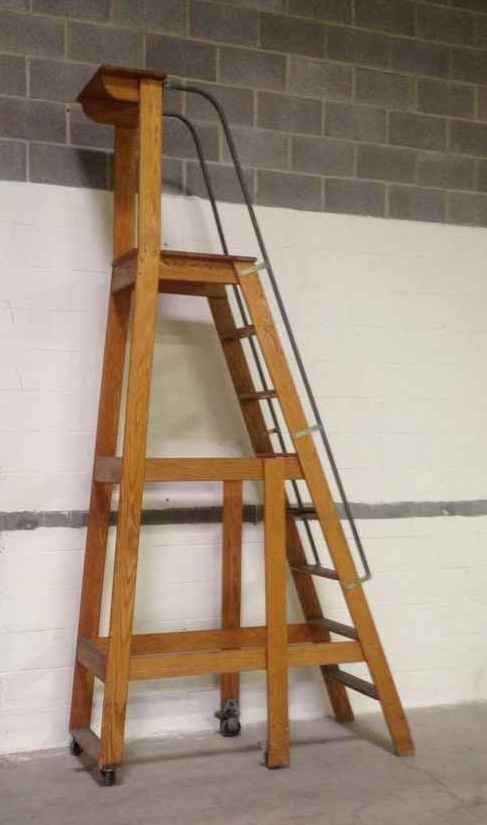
[
  {"x": 306, "y": 512},
  {"x": 184, "y": 267},
  {"x": 354, "y": 683},
  {"x": 316, "y": 570}
]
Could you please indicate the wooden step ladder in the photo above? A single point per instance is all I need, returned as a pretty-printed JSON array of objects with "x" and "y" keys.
[{"x": 132, "y": 102}]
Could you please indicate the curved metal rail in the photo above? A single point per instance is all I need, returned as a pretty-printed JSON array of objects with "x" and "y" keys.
[{"x": 319, "y": 425}]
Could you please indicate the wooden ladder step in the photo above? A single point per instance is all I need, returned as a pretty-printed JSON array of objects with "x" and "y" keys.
[
  {"x": 316, "y": 570},
  {"x": 354, "y": 683},
  {"x": 337, "y": 627},
  {"x": 238, "y": 333},
  {"x": 306, "y": 512},
  {"x": 257, "y": 396}
]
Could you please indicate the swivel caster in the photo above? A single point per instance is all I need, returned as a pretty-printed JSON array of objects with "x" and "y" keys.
[
  {"x": 229, "y": 717},
  {"x": 74, "y": 748},
  {"x": 108, "y": 777}
]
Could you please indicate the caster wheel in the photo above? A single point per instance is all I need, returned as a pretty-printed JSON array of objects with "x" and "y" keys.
[
  {"x": 74, "y": 748},
  {"x": 229, "y": 717},
  {"x": 230, "y": 727},
  {"x": 108, "y": 777}
]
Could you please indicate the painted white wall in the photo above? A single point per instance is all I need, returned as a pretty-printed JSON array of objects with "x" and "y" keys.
[{"x": 391, "y": 320}]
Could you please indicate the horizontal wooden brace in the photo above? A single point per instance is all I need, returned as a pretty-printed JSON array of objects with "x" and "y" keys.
[
  {"x": 190, "y": 640},
  {"x": 109, "y": 470},
  {"x": 162, "y": 665}
]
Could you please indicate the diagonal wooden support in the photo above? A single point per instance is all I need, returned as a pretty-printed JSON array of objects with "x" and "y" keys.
[
  {"x": 327, "y": 512},
  {"x": 108, "y": 422}
]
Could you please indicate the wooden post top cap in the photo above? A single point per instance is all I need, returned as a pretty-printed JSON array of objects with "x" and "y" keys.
[{"x": 117, "y": 83}]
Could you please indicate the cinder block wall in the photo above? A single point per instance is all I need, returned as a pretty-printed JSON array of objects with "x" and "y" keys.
[{"x": 374, "y": 107}]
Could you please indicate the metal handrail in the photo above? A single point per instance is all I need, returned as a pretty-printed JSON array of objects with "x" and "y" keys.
[
  {"x": 190, "y": 89},
  {"x": 241, "y": 306}
]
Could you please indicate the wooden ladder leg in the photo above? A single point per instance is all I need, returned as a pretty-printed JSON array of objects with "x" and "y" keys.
[
  {"x": 135, "y": 436},
  {"x": 231, "y": 591},
  {"x": 108, "y": 420},
  {"x": 276, "y": 615}
]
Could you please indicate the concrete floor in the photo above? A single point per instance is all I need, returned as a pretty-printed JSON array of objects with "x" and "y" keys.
[{"x": 339, "y": 776}]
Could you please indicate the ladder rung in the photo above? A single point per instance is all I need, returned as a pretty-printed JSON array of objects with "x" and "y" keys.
[
  {"x": 276, "y": 455},
  {"x": 354, "y": 683},
  {"x": 239, "y": 332},
  {"x": 316, "y": 570},
  {"x": 258, "y": 396},
  {"x": 337, "y": 627},
  {"x": 307, "y": 512}
]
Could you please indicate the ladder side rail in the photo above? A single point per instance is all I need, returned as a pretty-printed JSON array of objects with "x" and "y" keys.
[
  {"x": 243, "y": 312},
  {"x": 285, "y": 318}
]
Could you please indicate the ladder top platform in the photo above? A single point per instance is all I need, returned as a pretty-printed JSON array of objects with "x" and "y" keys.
[{"x": 184, "y": 267}]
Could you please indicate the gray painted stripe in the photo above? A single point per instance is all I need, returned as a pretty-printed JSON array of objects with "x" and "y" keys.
[{"x": 31, "y": 519}]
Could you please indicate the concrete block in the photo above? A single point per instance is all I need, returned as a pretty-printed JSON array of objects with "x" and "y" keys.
[
  {"x": 237, "y": 103},
  {"x": 355, "y": 197},
  {"x": 230, "y": 24},
  {"x": 16, "y": 5},
  {"x": 316, "y": 78},
  {"x": 384, "y": 89},
  {"x": 417, "y": 130},
  {"x": 172, "y": 175},
  {"x": 256, "y": 148},
  {"x": 263, "y": 5},
  {"x": 343, "y": 120},
  {"x": 357, "y": 46},
  {"x": 95, "y": 9},
  {"x": 447, "y": 25},
  {"x": 167, "y": 15},
  {"x": 286, "y": 34},
  {"x": 481, "y": 32},
  {"x": 179, "y": 143},
  {"x": 12, "y": 75},
  {"x": 85, "y": 132},
  {"x": 482, "y": 99},
  {"x": 181, "y": 57},
  {"x": 334, "y": 11},
  {"x": 32, "y": 119},
  {"x": 445, "y": 171},
  {"x": 416, "y": 204},
  {"x": 56, "y": 80},
  {"x": 440, "y": 98},
  {"x": 468, "y": 138},
  {"x": 395, "y": 16},
  {"x": 467, "y": 208},
  {"x": 224, "y": 181},
  {"x": 31, "y": 35},
  {"x": 103, "y": 44},
  {"x": 386, "y": 163},
  {"x": 288, "y": 190},
  {"x": 289, "y": 114},
  {"x": 246, "y": 67},
  {"x": 418, "y": 57},
  {"x": 12, "y": 160},
  {"x": 322, "y": 156},
  {"x": 481, "y": 182},
  {"x": 469, "y": 65},
  {"x": 65, "y": 166}
]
